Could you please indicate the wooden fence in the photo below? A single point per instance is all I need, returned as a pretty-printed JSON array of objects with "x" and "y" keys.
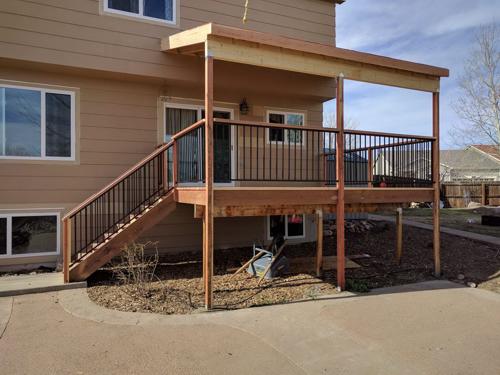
[{"x": 459, "y": 195}]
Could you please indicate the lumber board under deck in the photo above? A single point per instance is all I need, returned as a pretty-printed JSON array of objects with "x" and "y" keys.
[{"x": 263, "y": 201}]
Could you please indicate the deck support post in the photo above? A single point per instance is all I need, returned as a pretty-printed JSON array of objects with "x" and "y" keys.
[
  {"x": 370, "y": 167},
  {"x": 436, "y": 184},
  {"x": 66, "y": 251},
  {"x": 208, "y": 222},
  {"x": 340, "y": 185},
  {"x": 399, "y": 234},
  {"x": 319, "y": 243}
]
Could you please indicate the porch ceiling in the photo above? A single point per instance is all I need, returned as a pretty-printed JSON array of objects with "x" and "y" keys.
[{"x": 278, "y": 52}]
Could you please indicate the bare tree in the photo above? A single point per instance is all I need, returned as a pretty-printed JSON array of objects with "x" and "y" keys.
[
  {"x": 330, "y": 121},
  {"x": 479, "y": 103}
]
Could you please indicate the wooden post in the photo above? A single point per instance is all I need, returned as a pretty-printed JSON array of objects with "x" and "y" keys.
[
  {"x": 66, "y": 251},
  {"x": 319, "y": 243},
  {"x": 208, "y": 245},
  {"x": 484, "y": 197},
  {"x": 435, "y": 178},
  {"x": 175, "y": 166},
  {"x": 165, "y": 171},
  {"x": 399, "y": 234},
  {"x": 340, "y": 185},
  {"x": 370, "y": 167}
]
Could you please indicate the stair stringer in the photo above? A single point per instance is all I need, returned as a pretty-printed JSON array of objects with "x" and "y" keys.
[{"x": 108, "y": 250}]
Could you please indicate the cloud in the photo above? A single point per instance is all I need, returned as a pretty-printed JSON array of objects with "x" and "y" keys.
[
  {"x": 427, "y": 31},
  {"x": 476, "y": 14}
]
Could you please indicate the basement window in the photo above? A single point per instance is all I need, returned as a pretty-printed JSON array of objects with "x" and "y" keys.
[
  {"x": 36, "y": 123},
  {"x": 290, "y": 226},
  {"x": 156, "y": 10},
  {"x": 27, "y": 234}
]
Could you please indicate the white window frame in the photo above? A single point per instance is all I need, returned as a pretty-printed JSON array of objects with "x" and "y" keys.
[
  {"x": 9, "y": 217},
  {"x": 43, "y": 125},
  {"x": 269, "y": 237},
  {"x": 141, "y": 15},
  {"x": 286, "y": 140}
]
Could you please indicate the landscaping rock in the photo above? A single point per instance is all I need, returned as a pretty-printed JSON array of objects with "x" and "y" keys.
[
  {"x": 470, "y": 284},
  {"x": 460, "y": 276}
]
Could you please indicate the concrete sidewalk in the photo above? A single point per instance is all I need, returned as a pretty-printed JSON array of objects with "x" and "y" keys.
[
  {"x": 38, "y": 283},
  {"x": 460, "y": 233},
  {"x": 428, "y": 328}
]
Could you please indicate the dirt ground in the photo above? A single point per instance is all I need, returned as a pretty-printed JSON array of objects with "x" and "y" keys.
[
  {"x": 179, "y": 289},
  {"x": 466, "y": 219}
]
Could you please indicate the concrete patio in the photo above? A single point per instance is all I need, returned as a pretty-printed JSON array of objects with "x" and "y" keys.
[{"x": 428, "y": 328}]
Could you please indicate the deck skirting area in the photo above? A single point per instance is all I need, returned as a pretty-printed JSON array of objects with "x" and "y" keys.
[{"x": 263, "y": 201}]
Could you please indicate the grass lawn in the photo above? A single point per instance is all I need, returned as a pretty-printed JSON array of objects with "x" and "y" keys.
[{"x": 457, "y": 218}]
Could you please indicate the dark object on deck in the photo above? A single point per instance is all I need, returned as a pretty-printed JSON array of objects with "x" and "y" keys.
[{"x": 490, "y": 220}]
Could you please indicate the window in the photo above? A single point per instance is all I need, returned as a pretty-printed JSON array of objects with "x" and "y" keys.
[
  {"x": 285, "y": 135},
  {"x": 158, "y": 10},
  {"x": 291, "y": 226},
  {"x": 26, "y": 234},
  {"x": 36, "y": 123}
]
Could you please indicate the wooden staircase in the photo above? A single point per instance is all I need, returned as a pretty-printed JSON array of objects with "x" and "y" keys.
[
  {"x": 99, "y": 228},
  {"x": 114, "y": 244}
]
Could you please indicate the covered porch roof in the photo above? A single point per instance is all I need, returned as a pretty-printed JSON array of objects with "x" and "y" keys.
[{"x": 273, "y": 51}]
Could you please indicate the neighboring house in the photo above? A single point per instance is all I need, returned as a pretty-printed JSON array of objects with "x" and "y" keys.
[
  {"x": 403, "y": 166},
  {"x": 88, "y": 89},
  {"x": 479, "y": 163}
]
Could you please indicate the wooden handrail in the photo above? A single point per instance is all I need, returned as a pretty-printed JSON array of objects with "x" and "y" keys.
[
  {"x": 327, "y": 130},
  {"x": 412, "y": 142},
  {"x": 189, "y": 129},
  {"x": 117, "y": 180},
  {"x": 387, "y": 145},
  {"x": 382, "y": 134},
  {"x": 161, "y": 148},
  {"x": 271, "y": 125}
]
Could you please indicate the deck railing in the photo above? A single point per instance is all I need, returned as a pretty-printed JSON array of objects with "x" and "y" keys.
[
  {"x": 392, "y": 160},
  {"x": 265, "y": 152}
]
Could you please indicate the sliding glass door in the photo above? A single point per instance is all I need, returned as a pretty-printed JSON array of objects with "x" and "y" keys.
[{"x": 179, "y": 117}]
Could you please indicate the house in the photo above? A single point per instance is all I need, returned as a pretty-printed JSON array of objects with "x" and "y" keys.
[
  {"x": 171, "y": 120},
  {"x": 404, "y": 165},
  {"x": 479, "y": 163}
]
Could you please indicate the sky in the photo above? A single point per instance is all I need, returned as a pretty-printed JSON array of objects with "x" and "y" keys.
[{"x": 434, "y": 32}]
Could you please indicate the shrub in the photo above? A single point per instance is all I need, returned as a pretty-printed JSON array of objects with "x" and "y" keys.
[{"x": 138, "y": 265}]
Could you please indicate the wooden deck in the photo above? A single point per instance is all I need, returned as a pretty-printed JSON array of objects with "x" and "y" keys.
[
  {"x": 388, "y": 169},
  {"x": 263, "y": 201}
]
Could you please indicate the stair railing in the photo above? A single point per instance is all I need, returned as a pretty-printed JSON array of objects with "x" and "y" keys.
[{"x": 106, "y": 212}]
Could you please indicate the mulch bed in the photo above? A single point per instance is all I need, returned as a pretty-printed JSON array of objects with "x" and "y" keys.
[{"x": 180, "y": 289}]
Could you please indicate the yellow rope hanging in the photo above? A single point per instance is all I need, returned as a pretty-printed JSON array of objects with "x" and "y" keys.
[{"x": 246, "y": 12}]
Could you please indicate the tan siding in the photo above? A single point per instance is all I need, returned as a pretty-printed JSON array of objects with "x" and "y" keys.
[
  {"x": 118, "y": 125},
  {"x": 73, "y": 33}
]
